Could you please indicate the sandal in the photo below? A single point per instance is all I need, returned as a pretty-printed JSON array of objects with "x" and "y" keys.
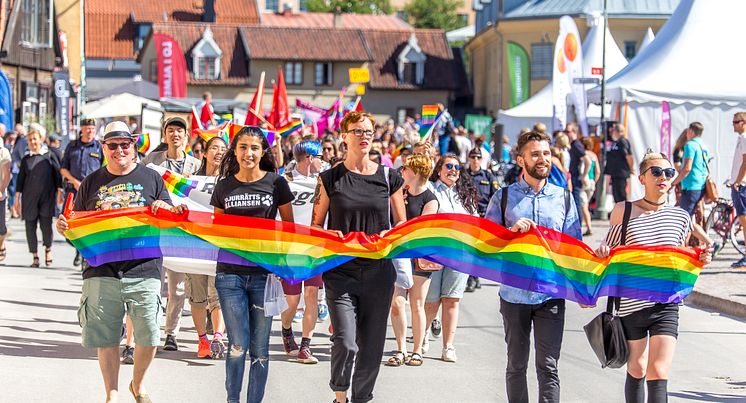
[
  {"x": 36, "y": 262},
  {"x": 415, "y": 360},
  {"x": 141, "y": 398},
  {"x": 396, "y": 360},
  {"x": 48, "y": 256}
]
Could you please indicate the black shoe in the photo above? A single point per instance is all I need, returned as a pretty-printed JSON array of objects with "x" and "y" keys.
[
  {"x": 478, "y": 283},
  {"x": 471, "y": 284},
  {"x": 170, "y": 344},
  {"x": 435, "y": 328},
  {"x": 78, "y": 259},
  {"x": 128, "y": 355}
]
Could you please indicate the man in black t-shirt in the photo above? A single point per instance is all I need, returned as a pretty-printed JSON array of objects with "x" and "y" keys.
[
  {"x": 132, "y": 284},
  {"x": 619, "y": 163},
  {"x": 580, "y": 164}
]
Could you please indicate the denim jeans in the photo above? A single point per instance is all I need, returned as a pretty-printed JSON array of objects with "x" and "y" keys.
[{"x": 242, "y": 301}]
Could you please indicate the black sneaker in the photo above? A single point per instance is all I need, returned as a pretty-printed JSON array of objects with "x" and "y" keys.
[
  {"x": 170, "y": 344},
  {"x": 128, "y": 355},
  {"x": 78, "y": 259},
  {"x": 471, "y": 284},
  {"x": 478, "y": 282},
  {"x": 435, "y": 328}
]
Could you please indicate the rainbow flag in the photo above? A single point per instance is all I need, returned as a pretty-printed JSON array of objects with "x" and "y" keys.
[
  {"x": 293, "y": 126},
  {"x": 143, "y": 143},
  {"x": 178, "y": 184},
  {"x": 541, "y": 260},
  {"x": 188, "y": 150},
  {"x": 430, "y": 116}
]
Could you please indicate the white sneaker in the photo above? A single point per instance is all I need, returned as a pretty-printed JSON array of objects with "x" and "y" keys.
[
  {"x": 426, "y": 343},
  {"x": 449, "y": 354}
]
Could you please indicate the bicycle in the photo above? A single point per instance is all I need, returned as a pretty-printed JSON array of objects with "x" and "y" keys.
[{"x": 723, "y": 223}]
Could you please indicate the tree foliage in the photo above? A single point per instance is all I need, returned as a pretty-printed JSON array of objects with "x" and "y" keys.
[
  {"x": 350, "y": 6},
  {"x": 441, "y": 14}
]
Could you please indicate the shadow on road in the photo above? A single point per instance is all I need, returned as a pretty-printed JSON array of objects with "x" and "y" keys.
[
  {"x": 708, "y": 397},
  {"x": 27, "y": 347},
  {"x": 40, "y": 305}
]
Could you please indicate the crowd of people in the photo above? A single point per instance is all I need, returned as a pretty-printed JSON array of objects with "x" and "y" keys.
[{"x": 371, "y": 178}]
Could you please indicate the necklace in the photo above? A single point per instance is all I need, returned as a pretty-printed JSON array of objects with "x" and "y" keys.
[{"x": 652, "y": 203}]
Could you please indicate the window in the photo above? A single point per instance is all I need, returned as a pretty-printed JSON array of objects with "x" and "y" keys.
[
  {"x": 411, "y": 63},
  {"x": 36, "y": 25},
  {"x": 463, "y": 19},
  {"x": 402, "y": 15},
  {"x": 272, "y": 5},
  {"x": 141, "y": 32},
  {"x": 409, "y": 73},
  {"x": 541, "y": 61},
  {"x": 303, "y": 5},
  {"x": 324, "y": 74},
  {"x": 294, "y": 73},
  {"x": 205, "y": 68},
  {"x": 630, "y": 49}
]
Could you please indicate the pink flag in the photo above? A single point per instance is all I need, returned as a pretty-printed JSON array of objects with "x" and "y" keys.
[{"x": 665, "y": 128}]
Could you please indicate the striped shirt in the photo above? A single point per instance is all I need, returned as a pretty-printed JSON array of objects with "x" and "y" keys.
[{"x": 668, "y": 226}]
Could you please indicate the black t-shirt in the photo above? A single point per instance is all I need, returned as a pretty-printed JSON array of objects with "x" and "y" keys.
[
  {"x": 616, "y": 159},
  {"x": 577, "y": 152},
  {"x": 103, "y": 190},
  {"x": 359, "y": 202},
  {"x": 259, "y": 199},
  {"x": 415, "y": 204}
]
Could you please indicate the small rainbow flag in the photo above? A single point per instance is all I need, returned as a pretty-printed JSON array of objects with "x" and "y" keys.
[
  {"x": 290, "y": 128},
  {"x": 178, "y": 184},
  {"x": 430, "y": 116},
  {"x": 143, "y": 143},
  {"x": 188, "y": 150}
]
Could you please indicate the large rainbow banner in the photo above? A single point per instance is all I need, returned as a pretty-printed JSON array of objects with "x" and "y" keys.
[{"x": 542, "y": 260}]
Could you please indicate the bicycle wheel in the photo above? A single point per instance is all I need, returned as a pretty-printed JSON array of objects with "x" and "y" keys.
[
  {"x": 716, "y": 223},
  {"x": 736, "y": 237}
]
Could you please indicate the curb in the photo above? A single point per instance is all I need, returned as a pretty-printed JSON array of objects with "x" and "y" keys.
[{"x": 721, "y": 305}]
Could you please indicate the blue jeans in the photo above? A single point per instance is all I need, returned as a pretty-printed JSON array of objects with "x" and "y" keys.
[
  {"x": 689, "y": 199},
  {"x": 242, "y": 302}
]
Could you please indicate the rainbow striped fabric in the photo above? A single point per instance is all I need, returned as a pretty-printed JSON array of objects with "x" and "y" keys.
[
  {"x": 430, "y": 115},
  {"x": 291, "y": 127},
  {"x": 143, "y": 143},
  {"x": 542, "y": 260},
  {"x": 178, "y": 184}
]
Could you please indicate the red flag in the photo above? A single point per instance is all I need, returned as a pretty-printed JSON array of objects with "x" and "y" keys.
[
  {"x": 205, "y": 116},
  {"x": 279, "y": 115},
  {"x": 172, "y": 72},
  {"x": 256, "y": 105},
  {"x": 196, "y": 125}
]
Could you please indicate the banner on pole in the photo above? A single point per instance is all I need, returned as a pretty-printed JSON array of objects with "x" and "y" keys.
[
  {"x": 172, "y": 71},
  {"x": 518, "y": 74}
]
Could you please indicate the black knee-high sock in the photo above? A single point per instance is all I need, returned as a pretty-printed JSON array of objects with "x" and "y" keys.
[
  {"x": 658, "y": 391},
  {"x": 634, "y": 389}
]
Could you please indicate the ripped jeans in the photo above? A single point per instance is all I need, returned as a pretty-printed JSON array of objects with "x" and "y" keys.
[{"x": 242, "y": 301}]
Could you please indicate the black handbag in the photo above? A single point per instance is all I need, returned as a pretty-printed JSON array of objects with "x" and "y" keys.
[
  {"x": 605, "y": 332},
  {"x": 606, "y": 336}
]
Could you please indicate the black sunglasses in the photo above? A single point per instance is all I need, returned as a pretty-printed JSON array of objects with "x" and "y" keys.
[
  {"x": 452, "y": 166},
  {"x": 737, "y": 122},
  {"x": 114, "y": 146},
  {"x": 658, "y": 171}
]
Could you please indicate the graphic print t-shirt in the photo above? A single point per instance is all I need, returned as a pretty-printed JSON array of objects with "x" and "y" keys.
[
  {"x": 251, "y": 199},
  {"x": 103, "y": 190}
]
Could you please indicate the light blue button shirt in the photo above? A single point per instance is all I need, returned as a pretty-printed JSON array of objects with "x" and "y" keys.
[{"x": 547, "y": 209}]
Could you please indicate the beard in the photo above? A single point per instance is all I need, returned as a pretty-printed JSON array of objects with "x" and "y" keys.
[{"x": 533, "y": 171}]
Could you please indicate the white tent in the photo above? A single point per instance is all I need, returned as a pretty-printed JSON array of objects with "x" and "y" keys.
[
  {"x": 693, "y": 65},
  {"x": 538, "y": 108},
  {"x": 646, "y": 40},
  {"x": 124, "y": 104}
]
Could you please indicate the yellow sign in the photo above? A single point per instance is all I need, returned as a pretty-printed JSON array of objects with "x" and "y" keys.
[
  {"x": 360, "y": 89},
  {"x": 359, "y": 75}
]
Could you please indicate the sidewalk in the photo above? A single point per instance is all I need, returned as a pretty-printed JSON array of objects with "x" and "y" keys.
[{"x": 719, "y": 287}]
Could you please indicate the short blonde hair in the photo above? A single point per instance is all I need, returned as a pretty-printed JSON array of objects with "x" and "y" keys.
[
  {"x": 649, "y": 157},
  {"x": 420, "y": 164}
]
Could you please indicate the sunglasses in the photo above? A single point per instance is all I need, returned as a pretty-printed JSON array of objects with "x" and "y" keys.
[
  {"x": 737, "y": 122},
  {"x": 452, "y": 166},
  {"x": 658, "y": 171},
  {"x": 479, "y": 157},
  {"x": 114, "y": 146},
  {"x": 328, "y": 149}
]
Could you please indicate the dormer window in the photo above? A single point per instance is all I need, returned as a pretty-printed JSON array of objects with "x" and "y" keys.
[
  {"x": 206, "y": 58},
  {"x": 411, "y": 63}
]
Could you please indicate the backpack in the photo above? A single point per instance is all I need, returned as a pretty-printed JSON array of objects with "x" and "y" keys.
[{"x": 557, "y": 177}]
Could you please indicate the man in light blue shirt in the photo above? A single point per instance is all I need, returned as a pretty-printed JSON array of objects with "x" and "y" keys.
[{"x": 533, "y": 201}]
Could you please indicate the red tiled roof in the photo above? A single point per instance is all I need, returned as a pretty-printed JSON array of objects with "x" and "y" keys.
[
  {"x": 234, "y": 63},
  {"x": 334, "y": 45},
  {"x": 110, "y": 25},
  {"x": 441, "y": 70},
  {"x": 326, "y": 20}
]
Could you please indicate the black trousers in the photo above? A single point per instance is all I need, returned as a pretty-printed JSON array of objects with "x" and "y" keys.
[
  {"x": 619, "y": 189},
  {"x": 46, "y": 233},
  {"x": 359, "y": 300},
  {"x": 548, "y": 321}
]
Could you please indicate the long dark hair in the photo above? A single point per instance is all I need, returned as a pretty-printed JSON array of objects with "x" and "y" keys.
[
  {"x": 229, "y": 166},
  {"x": 203, "y": 169},
  {"x": 465, "y": 188}
]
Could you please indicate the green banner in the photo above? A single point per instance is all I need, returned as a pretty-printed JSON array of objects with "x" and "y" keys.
[
  {"x": 480, "y": 124},
  {"x": 518, "y": 74}
]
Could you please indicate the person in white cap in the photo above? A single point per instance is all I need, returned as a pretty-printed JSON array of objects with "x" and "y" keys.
[{"x": 134, "y": 285}]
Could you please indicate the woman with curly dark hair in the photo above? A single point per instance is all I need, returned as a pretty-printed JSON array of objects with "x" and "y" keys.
[{"x": 456, "y": 194}]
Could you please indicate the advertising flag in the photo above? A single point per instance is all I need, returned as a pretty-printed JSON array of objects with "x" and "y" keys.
[
  {"x": 518, "y": 74},
  {"x": 568, "y": 65},
  {"x": 172, "y": 71}
]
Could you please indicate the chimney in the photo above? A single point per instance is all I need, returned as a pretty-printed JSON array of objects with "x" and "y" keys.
[
  {"x": 208, "y": 11},
  {"x": 338, "y": 17}
]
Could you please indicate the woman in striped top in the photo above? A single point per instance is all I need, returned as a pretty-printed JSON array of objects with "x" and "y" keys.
[{"x": 650, "y": 222}]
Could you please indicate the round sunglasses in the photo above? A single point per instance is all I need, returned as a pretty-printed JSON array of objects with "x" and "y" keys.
[{"x": 453, "y": 166}]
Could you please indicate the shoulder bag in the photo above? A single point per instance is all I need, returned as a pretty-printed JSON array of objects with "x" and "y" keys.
[{"x": 711, "y": 188}]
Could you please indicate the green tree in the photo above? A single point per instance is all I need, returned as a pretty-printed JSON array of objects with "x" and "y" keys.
[
  {"x": 350, "y": 6},
  {"x": 435, "y": 14}
]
